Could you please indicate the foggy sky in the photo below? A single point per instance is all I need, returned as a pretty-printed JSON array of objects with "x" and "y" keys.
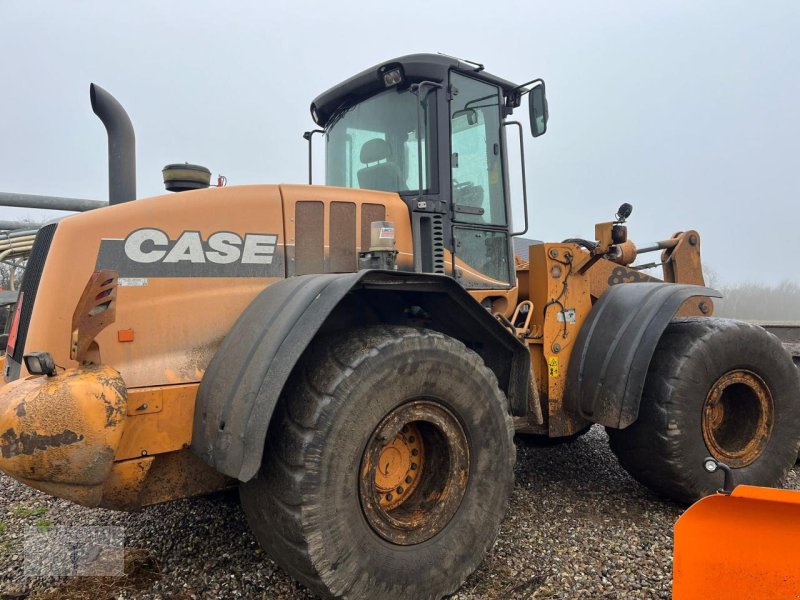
[{"x": 687, "y": 110}]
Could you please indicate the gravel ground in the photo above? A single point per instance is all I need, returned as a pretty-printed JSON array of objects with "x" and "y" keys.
[{"x": 578, "y": 527}]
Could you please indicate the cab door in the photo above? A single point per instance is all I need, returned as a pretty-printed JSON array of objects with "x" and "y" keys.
[{"x": 479, "y": 207}]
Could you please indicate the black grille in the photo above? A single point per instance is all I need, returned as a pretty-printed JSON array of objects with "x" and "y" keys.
[
  {"x": 30, "y": 284},
  {"x": 438, "y": 244}
]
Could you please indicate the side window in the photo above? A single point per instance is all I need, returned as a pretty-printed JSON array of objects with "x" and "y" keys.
[
  {"x": 476, "y": 159},
  {"x": 356, "y": 138}
]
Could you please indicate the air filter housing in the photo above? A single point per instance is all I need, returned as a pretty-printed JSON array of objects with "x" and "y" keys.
[{"x": 184, "y": 177}]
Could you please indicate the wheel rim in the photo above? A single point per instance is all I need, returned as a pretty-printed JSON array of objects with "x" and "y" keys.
[
  {"x": 414, "y": 472},
  {"x": 738, "y": 416}
]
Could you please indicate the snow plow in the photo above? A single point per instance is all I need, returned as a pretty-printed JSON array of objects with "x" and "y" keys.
[{"x": 738, "y": 544}]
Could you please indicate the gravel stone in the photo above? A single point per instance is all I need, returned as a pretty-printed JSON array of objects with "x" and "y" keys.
[{"x": 577, "y": 527}]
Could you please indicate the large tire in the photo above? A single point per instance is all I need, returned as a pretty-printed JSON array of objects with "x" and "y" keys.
[
  {"x": 715, "y": 387},
  {"x": 316, "y": 506}
]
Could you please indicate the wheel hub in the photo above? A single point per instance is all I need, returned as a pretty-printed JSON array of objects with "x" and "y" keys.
[
  {"x": 399, "y": 467},
  {"x": 738, "y": 415},
  {"x": 414, "y": 472}
]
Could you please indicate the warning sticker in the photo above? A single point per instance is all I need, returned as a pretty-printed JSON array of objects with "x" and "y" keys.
[
  {"x": 552, "y": 366},
  {"x": 386, "y": 232},
  {"x": 132, "y": 281}
]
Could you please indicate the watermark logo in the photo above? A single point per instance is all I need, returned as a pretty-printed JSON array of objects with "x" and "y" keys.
[{"x": 74, "y": 552}]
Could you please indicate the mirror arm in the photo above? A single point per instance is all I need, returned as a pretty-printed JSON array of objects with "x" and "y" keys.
[
  {"x": 307, "y": 136},
  {"x": 524, "y": 185},
  {"x": 523, "y": 92}
]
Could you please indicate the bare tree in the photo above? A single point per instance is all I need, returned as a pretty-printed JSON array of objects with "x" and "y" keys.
[{"x": 758, "y": 302}]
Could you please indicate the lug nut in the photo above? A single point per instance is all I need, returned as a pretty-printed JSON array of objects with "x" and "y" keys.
[
  {"x": 413, "y": 466},
  {"x": 405, "y": 428},
  {"x": 399, "y": 489},
  {"x": 408, "y": 479},
  {"x": 389, "y": 497},
  {"x": 411, "y": 439},
  {"x": 414, "y": 452}
]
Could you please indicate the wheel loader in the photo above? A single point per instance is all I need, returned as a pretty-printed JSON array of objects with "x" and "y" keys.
[{"x": 357, "y": 357}]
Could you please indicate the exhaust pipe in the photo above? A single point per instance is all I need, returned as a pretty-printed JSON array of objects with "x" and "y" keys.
[{"x": 121, "y": 145}]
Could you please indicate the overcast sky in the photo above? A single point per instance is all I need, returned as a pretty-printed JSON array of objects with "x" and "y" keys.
[{"x": 688, "y": 110}]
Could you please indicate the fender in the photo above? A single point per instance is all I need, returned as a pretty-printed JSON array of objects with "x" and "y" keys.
[
  {"x": 612, "y": 354},
  {"x": 245, "y": 378}
]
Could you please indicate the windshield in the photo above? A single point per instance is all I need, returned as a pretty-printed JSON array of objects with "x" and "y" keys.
[{"x": 373, "y": 145}]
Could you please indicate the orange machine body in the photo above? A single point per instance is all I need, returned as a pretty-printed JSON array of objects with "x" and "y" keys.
[{"x": 171, "y": 317}]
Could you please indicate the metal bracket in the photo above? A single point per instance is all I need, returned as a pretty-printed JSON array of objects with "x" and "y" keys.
[{"x": 96, "y": 310}]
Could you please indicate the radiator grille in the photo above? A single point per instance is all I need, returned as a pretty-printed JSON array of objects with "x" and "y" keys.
[{"x": 309, "y": 249}]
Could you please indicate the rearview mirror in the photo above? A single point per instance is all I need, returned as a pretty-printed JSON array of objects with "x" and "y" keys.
[
  {"x": 464, "y": 119},
  {"x": 537, "y": 109}
]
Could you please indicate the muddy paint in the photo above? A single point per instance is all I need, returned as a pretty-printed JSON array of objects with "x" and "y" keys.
[{"x": 12, "y": 444}]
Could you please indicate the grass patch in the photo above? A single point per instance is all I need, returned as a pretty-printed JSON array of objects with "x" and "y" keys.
[
  {"x": 43, "y": 525},
  {"x": 3, "y": 527},
  {"x": 24, "y": 511}
]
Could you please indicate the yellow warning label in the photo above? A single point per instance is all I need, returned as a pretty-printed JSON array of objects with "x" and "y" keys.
[{"x": 552, "y": 366}]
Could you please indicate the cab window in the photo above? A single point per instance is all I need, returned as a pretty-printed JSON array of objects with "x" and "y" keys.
[{"x": 374, "y": 144}]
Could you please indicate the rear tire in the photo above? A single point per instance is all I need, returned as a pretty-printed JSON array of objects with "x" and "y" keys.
[
  {"x": 715, "y": 387},
  {"x": 324, "y": 505}
]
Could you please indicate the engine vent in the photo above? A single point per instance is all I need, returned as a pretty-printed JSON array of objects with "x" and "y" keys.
[{"x": 438, "y": 243}]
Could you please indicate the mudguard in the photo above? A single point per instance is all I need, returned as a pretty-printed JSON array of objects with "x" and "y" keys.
[
  {"x": 245, "y": 378},
  {"x": 612, "y": 354}
]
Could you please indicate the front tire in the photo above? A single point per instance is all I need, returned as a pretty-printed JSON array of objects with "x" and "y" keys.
[
  {"x": 388, "y": 466},
  {"x": 715, "y": 387}
]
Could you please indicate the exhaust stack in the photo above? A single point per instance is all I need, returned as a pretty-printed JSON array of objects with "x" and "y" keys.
[{"x": 121, "y": 145}]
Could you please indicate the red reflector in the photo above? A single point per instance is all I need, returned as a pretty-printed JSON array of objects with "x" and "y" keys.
[{"x": 12, "y": 335}]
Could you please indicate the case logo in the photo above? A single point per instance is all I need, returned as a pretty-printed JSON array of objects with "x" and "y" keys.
[{"x": 149, "y": 252}]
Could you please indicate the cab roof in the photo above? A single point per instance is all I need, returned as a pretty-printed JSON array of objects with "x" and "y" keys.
[{"x": 415, "y": 68}]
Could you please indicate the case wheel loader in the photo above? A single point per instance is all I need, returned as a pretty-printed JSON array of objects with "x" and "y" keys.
[{"x": 357, "y": 357}]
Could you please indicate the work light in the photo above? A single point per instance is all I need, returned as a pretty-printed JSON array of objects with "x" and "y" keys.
[
  {"x": 40, "y": 363},
  {"x": 392, "y": 77}
]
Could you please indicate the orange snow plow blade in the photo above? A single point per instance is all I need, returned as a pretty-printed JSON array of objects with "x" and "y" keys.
[{"x": 743, "y": 545}]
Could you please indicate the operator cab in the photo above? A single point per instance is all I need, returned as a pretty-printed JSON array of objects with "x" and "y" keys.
[{"x": 432, "y": 129}]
